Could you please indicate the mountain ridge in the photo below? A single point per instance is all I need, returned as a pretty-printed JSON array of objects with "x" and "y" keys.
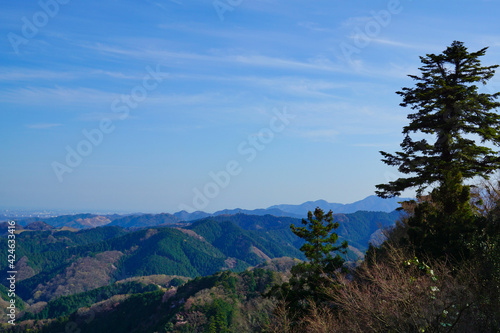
[
  {"x": 139, "y": 220},
  {"x": 371, "y": 203}
]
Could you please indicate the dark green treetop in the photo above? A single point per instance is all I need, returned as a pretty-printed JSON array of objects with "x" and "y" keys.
[
  {"x": 449, "y": 107},
  {"x": 318, "y": 232},
  {"x": 309, "y": 279}
]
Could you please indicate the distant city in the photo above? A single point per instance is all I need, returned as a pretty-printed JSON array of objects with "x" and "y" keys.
[{"x": 13, "y": 213}]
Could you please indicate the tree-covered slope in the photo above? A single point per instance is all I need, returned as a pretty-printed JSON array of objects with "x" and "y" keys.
[
  {"x": 251, "y": 246},
  {"x": 223, "y": 302},
  {"x": 55, "y": 263}
]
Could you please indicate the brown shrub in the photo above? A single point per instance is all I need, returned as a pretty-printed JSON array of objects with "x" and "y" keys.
[{"x": 400, "y": 294}]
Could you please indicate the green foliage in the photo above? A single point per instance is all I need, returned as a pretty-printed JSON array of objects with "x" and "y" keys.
[
  {"x": 4, "y": 294},
  {"x": 176, "y": 282},
  {"x": 309, "y": 279},
  {"x": 66, "y": 305},
  {"x": 450, "y": 108},
  {"x": 445, "y": 226},
  {"x": 220, "y": 314},
  {"x": 138, "y": 309},
  {"x": 247, "y": 239},
  {"x": 215, "y": 245},
  {"x": 218, "y": 303},
  {"x": 320, "y": 238},
  {"x": 357, "y": 228},
  {"x": 238, "y": 243},
  {"x": 224, "y": 302},
  {"x": 172, "y": 252}
]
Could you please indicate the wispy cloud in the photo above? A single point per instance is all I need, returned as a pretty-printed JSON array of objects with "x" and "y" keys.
[
  {"x": 115, "y": 75},
  {"x": 43, "y": 125},
  {"x": 328, "y": 135},
  {"x": 222, "y": 57},
  {"x": 367, "y": 144},
  {"x": 163, "y": 6},
  {"x": 25, "y": 74},
  {"x": 63, "y": 95},
  {"x": 355, "y": 21},
  {"x": 393, "y": 43},
  {"x": 22, "y": 74},
  {"x": 413, "y": 45},
  {"x": 93, "y": 105},
  {"x": 266, "y": 61},
  {"x": 314, "y": 27}
]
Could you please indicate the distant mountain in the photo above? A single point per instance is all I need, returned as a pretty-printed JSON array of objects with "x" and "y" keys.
[
  {"x": 85, "y": 221},
  {"x": 4, "y": 228},
  {"x": 302, "y": 209},
  {"x": 185, "y": 216},
  {"x": 258, "y": 212},
  {"x": 77, "y": 221},
  {"x": 145, "y": 220},
  {"x": 38, "y": 226},
  {"x": 371, "y": 204},
  {"x": 256, "y": 222}
]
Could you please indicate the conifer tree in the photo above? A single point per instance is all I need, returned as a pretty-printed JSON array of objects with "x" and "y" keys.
[
  {"x": 450, "y": 108},
  {"x": 462, "y": 126},
  {"x": 309, "y": 279}
]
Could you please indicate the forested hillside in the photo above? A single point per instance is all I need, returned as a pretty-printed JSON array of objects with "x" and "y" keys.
[{"x": 61, "y": 271}]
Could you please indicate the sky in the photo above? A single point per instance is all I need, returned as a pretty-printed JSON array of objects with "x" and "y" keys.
[{"x": 165, "y": 105}]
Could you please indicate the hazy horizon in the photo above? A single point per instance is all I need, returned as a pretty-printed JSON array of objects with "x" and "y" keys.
[{"x": 111, "y": 211}]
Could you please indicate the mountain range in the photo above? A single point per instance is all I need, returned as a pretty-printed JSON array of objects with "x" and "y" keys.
[
  {"x": 140, "y": 220},
  {"x": 124, "y": 268},
  {"x": 59, "y": 262},
  {"x": 371, "y": 203}
]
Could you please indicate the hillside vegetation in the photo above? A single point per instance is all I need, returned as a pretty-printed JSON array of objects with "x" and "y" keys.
[{"x": 63, "y": 272}]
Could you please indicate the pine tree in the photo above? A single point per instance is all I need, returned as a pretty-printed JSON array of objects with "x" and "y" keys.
[
  {"x": 449, "y": 107},
  {"x": 309, "y": 279},
  {"x": 212, "y": 326},
  {"x": 456, "y": 117}
]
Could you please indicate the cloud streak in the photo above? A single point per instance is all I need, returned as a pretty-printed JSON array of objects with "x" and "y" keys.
[{"x": 43, "y": 125}]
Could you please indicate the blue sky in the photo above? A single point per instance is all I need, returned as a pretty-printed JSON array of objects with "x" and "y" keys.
[{"x": 152, "y": 105}]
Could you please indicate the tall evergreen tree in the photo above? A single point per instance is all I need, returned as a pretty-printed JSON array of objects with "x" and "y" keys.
[
  {"x": 460, "y": 121},
  {"x": 450, "y": 107}
]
